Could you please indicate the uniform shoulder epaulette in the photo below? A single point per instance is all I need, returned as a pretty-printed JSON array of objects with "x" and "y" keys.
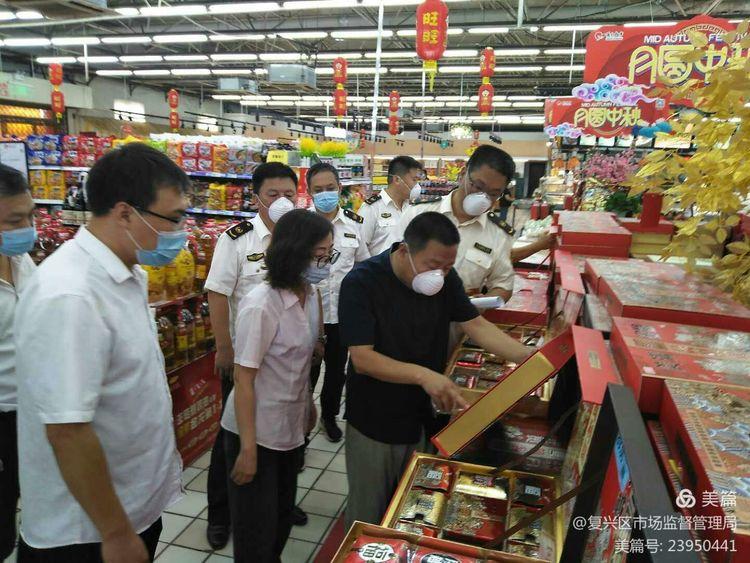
[
  {"x": 426, "y": 199},
  {"x": 495, "y": 218},
  {"x": 373, "y": 199},
  {"x": 353, "y": 216},
  {"x": 239, "y": 229}
]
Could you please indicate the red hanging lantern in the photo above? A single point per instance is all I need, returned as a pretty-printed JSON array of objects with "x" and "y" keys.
[
  {"x": 362, "y": 138},
  {"x": 58, "y": 103},
  {"x": 174, "y": 120},
  {"x": 55, "y": 74},
  {"x": 173, "y": 99},
  {"x": 339, "y": 102},
  {"x": 432, "y": 35},
  {"x": 486, "y": 93},
  {"x": 340, "y": 67},
  {"x": 487, "y": 64},
  {"x": 394, "y": 101},
  {"x": 393, "y": 125}
]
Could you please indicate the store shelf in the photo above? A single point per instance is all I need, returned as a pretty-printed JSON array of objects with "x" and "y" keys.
[
  {"x": 191, "y": 362},
  {"x": 220, "y": 175},
  {"x": 221, "y": 212},
  {"x": 49, "y": 201},
  {"x": 355, "y": 181},
  {"x": 61, "y": 168},
  {"x": 176, "y": 301}
]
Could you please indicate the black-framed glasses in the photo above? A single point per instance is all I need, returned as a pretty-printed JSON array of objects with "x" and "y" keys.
[
  {"x": 329, "y": 259},
  {"x": 160, "y": 216}
]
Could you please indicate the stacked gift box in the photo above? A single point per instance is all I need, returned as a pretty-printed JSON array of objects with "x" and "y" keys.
[
  {"x": 648, "y": 239},
  {"x": 595, "y": 233}
]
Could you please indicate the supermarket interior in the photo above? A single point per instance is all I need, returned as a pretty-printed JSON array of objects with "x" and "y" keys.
[{"x": 556, "y": 193}]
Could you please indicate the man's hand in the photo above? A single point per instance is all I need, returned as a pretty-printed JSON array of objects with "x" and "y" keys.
[
  {"x": 547, "y": 241},
  {"x": 224, "y": 361},
  {"x": 318, "y": 353},
  {"x": 445, "y": 394},
  {"x": 245, "y": 466},
  {"x": 126, "y": 547}
]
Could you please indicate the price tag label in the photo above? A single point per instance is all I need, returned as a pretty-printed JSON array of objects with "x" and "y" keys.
[{"x": 278, "y": 156}]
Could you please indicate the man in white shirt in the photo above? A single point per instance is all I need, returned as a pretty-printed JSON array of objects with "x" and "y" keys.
[
  {"x": 97, "y": 454},
  {"x": 17, "y": 237},
  {"x": 348, "y": 240},
  {"x": 382, "y": 211},
  {"x": 238, "y": 266}
]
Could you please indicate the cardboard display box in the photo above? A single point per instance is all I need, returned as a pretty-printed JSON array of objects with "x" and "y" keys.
[
  {"x": 596, "y": 268},
  {"x": 529, "y": 303},
  {"x": 604, "y": 251},
  {"x": 648, "y": 353},
  {"x": 596, "y": 316},
  {"x": 634, "y": 226},
  {"x": 708, "y": 430},
  {"x": 594, "y": 229}
]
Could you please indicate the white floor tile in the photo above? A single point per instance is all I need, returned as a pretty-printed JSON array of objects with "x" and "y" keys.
[
  {"x": 173, "y": 526},
  {"x": 314, "y": 530},
  {"x": 203, "y": 461},
  {"x": 320, "y": 443},
  {"x": 194, "y": 536},
  {"x": 308, "y": 477},
  {"x": 161, "y": 546},
  {"x": 191, "y": 505},
  {"x": 176, "y": 554},
  {"x": 332, "y": 482},
  {"x": 203, "y": 515},
  {"x": 318, "y": 458},
  {"x": 338, "y": 463},
  {"x": 325, "y": 504},
  {"x": 301, "y": 492},
  {"x": 216, "y": 558},
  {"x": 297, "y": 551},
  {"x": 200, "y": 483},
  {"x": 188, "y": 474}
]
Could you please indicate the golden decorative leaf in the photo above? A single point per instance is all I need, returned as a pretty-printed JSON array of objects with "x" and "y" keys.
[
  {"x": 738, "y": 247},
  {"x": 733, "y": 221},
  {"x": 721, "y": 235}
]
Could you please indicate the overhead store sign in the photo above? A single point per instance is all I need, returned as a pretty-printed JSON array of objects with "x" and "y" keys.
[{"x": 651, "y": 55}]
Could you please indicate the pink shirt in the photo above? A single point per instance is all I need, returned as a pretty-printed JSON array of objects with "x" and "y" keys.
[{"x": 276, "y": 335}]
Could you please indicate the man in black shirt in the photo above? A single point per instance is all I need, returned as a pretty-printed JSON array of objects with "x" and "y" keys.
[{"x": 395, "y": 310}]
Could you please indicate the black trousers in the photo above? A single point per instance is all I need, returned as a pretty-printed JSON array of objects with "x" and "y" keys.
[
  {"x": 335, "y": 376},
  {"x": 83, "y": 552},
  {"x": 218, "y": 497},
  {"x": 8, "y": 483},
  {"x": 262, "y": 509}
]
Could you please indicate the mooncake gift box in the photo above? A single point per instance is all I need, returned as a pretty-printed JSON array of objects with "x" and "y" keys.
[
  {"x": 529, "y": 304},
  {"x": 592, "y": 229}
]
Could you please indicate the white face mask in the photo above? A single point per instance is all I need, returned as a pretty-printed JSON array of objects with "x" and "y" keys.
[
  {"x": 427, "y": 283},
  {"x": 278, "y": 208},
  {"x": 477, "y": 203},
  {"x": 415, "y": 192}
]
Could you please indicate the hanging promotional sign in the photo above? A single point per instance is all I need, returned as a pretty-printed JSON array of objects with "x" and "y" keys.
[
  {"x": 651, "y": 55},
  {"x": 432, "y": 35}
]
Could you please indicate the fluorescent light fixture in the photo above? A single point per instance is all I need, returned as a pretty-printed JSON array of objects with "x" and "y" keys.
[
  {"x": 281, "y": 57},
  {"x": 565, "y": 68},
  {"x": 525, "y": 98},
  {"x": 360, "y": 34},
  {"x": 127, "y": 11},
  {"x": 226, "y": 97},
  {"x": 317, "y": 98},
  {"x": 306, "y": 104},
  {"x": 261, "y": 71},
  {"x": 407, "y": 69},
  {"x": 140, "y": 59},
  {"x": 528, "y": 104},
  {"x": 234, "y": 57},
  {"x": 53, "y": 60},
  {"x": 185, "y": 58},
  {"x": 286, "y": 97},
  {"x": 256, "y": 97},
  {"x": 458, "y": 69},
  {"x": 331, "y": 56},
  {"x": 114, "y": 72},
  {"x": 181, "y": 38},
  {"x": 26, "y": 42},
  {"x": 232, "y": 71},
  {"x": 501, "y": 104},
  {"x": 452, "y": 98},
  {"x": 243, "y": 7},
  {"x": 366, "y": 70},
  {"x": 221, "y": 37},
  {"x": 459, "y": 53},
  {"x": 281, "y": 103},
  {"x": 392, "y": 55},
  {"x": 70, "y": 41},
  {"x": 304, "y": 35},
  {"x": 572, "y": 27},
  {"x": 413, "y": 32},
  {"x": 491, "y": 30},
  {"x": 533, "y": 28},
  {"x": 252, "y": 103},
  {"x": 29, "y": 15},
  {"x": 324, "y": 71},
  {"x": 416, "y": 98},
  {"x": 191, "y": 71},
  {"x": 650, "y": 24},
  {"x": 429, "y": 104},
  {"x": 6, "y": 15},
  {"x": 518, "y": 69},
  {"x": 460, "y": 104},
  {"x": 94, "y": 60},
  {"x": 505, "y": 119},
  {"x": 176, "y": 10},
  {"x": 319, "y": 4},
  {"x": 152, "y": 72},
  {"x": 517, "y": 52},
  {"x": 126, "y": 39},
  {"x": 565, "y": 51}
]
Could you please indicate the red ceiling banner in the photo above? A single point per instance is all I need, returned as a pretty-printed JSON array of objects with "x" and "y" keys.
[{"x": 647, "y": 55}]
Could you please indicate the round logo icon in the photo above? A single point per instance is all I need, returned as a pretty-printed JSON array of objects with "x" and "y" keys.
[{"x": 685, "y": 499}]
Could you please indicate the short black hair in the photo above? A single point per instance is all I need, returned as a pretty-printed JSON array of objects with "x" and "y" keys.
[
  {"x": 495, "y": 158},
  {"x": 132, "y": 173},
  {"x": 321, "y": 167},
  {"x": 430, "y": 226},
  {"x": 269, "y": 171},
  {"x": 402, "y": 165},
  {"x": 294, "y": 237},
  {"x": 12, "y": 182}
]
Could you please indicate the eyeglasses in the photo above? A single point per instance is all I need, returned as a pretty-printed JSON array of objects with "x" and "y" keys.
[
  {"x": 329, "y": 259},
  {"x": 179, "y": 221}
]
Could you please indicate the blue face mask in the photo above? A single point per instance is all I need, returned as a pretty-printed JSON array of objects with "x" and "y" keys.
[
  {"x": 326, "y": 202},
  {"x": 17, "y": 241},
  {"x": 314, "y": 274},
  {"x": 168, "y": 246}
]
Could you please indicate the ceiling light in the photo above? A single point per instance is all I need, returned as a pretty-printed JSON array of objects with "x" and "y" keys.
[
  {"x": 565, "y": 68},
  {"x": 525, "y": 98},
  {"x": 280, "y": 56},
  {"x": 190, "y": 71},
  {"x": 234, "y": 57},
  {"x": 127, "y": 11},
  {"x": 176, "y": 10},
  {"x": 29, "y": 15},
  {"x": 460, "y": 104},
  {"x": 307, "y": 104},
  {"x": 413, "y": 32},
  {"x": 152, "y": 72},
  {"x": 319, "y": 4},
  {"x": 261, "y": 71},
  {"x": 517, "y": 52},
  {"x": 407, "y": 69},
  {"x": 185, "y": 58},
  {"x": 286, "y": 97},
  {"x": 506, "y": 119},
  {"x": 318, "y": 98},
  {"x": 232, "y": 71},
  {"x": 451, "y": 98},
  {"x": 458, "y": 69},
  {"x": 565, "y": 51},
  {"x": 533, "y": 28},
  {"x": 237, "y": 37},
  {"x": 331, "y": 56},
  {"x": 459, "y": 53},
  {"x": 304, "y": 35},
  {"x": 53, "y": 60},
  {"x": 392, "y": 55},
  {"x": 487, "y": 30},
  {"x": 181, "y": 38},
  {"x": 243, "y": 7},
  {"x": 226, "y": 97},
  {"x": 366, "y": 70},
  {"x": 281, "y": 103},
  {"x": 572, "y": 27},
  {"x": 6, "y": 15},
  {"x": 256, "y": 97},
  {"x": 97, "y": 60},
  {"x": 140, "y": 59},
  {"x": 518, "y": 69},
  {"x": 26, "y": 42},
  {"x": 114, "y": 72},
  {"x": 360, "y": 34},
  {"x": 429, "y": 104},
  {"x": 650, "y": 24},
  {"x": 126, "y": 39},
  {"x": 381, "y": 98},
  {"x": 417, "y": 98},
  {"x": 252, "y": 103},
  {"x": 501, "y": 104},
  {"x": 528, "y": 104},
  {"x": 70, "y": 41}
]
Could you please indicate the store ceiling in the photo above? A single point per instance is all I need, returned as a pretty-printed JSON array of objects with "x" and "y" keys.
[{"x": 191, "y": 46}]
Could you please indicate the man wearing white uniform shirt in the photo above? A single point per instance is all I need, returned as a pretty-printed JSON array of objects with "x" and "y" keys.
[
  {"x": 17, "y": 237},
  {"x": 97, "y": 455},
  {"x": 348, "y": 240},
  {"x": 382, "y": 211}
]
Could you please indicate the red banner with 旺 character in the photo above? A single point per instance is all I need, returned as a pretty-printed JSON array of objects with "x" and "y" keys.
[{"x": 651, "y": 55}]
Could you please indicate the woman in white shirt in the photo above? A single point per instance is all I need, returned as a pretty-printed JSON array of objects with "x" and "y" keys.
[{"x": 270, "y": 410}]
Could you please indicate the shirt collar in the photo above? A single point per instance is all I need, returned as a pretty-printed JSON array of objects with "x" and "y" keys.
[
  {"x": 446, "y": 208},
  {"x": 260, "y": 227},
  {"x": 339, "y": 215},
  {"x": 289, "y": 298},
  {"x": 387, "y": 199},
  {"x": 100, "y": 252}
]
